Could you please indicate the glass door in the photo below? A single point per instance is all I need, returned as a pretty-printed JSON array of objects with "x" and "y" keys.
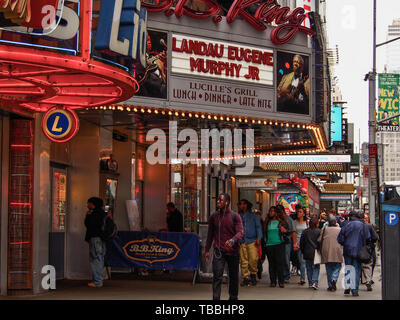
[{"x": 58, "y": 220}]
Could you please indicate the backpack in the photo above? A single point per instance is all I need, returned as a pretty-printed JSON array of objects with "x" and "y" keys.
[
  {"x": 108, "y": 229},
  {"x": 214, "y": 214}
]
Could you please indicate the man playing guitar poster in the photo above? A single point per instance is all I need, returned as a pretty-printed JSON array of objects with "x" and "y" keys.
[
  {"x": 294, "y": 89},
  {"x": 153, "y": 79}
]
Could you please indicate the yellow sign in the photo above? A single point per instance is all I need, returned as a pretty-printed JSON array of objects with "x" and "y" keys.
[{"x": 18, "y": 11}]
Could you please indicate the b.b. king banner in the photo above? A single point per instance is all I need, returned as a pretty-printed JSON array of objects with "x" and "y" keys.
[
  {"x": 153, "y": 250},
  {"x": 389, "y": 95}
]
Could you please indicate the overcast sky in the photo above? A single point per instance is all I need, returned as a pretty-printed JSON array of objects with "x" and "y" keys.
[{"x": 349, "y": 25}]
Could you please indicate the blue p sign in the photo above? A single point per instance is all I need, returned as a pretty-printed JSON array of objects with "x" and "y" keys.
[{"x": 391, "y": 218}]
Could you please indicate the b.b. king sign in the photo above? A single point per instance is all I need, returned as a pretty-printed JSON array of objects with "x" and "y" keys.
[{"x": 216, "y": 59}]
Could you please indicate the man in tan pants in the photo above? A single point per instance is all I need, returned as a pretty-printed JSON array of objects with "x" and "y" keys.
[{"x": 249, "y": 244}]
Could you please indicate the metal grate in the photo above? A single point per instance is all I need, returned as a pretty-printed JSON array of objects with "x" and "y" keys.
[{"x": 20, "y": 202}]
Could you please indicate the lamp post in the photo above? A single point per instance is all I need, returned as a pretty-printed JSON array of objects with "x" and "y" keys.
[{"x": 371, "y": 77}]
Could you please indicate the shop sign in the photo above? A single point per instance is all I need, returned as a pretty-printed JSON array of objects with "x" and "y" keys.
[
  {"x": 151, "y": 250},
  {"x": 221, "y": 94},
  {"x": 334, "y": 197},
  {"x": 313, "y": 192},
  {"x": 216, "y": 59},
  {"x": 288, "y": 23},
  {"x": 60, "y": 124},
  {"x": 258, "y": 183}
]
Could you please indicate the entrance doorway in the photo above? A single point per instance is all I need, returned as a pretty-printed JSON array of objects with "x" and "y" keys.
[{"x": 58, "y": 221}]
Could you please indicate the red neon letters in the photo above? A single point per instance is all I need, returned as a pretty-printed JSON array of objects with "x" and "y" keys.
[{"x": 289, "y": 23}]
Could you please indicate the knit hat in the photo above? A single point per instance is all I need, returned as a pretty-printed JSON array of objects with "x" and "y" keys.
[{"x": 97, "y": 202}]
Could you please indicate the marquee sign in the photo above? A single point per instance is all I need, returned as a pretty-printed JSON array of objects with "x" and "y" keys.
[
  {"x": 288, "y": 23},
  {"x": 216, "y": 59}
]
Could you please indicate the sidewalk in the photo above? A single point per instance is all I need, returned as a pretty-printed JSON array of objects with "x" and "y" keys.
[{"x": 122, "y": 287}]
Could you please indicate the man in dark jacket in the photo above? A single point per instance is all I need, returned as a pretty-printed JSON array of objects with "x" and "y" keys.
[
  {"x": 351, "y": 237},
  {"x": 97, "y": 248},
  {"x": 225, "y": 230},
  {"x": 174, "y": 218},
  {"x": 250, "y": 242}
]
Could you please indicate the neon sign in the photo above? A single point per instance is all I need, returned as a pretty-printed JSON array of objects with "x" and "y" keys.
[
  {"x": 289, "y": 23},
  {"x": 122, "y": 28}
]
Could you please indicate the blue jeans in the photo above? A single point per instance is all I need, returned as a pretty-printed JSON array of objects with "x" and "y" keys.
[
  {"x": 312, "y": 272},
  {"x": 288, "y": 250},
  {"x": 97, "y": 251},
  {"x": 302, "y": 265},
  {"x": 332, "y": 271},
  {"x": 352, "y": 275}
]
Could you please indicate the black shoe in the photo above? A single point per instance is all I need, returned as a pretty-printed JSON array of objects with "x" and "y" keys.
[
  {"x": 272, "y": 285},
  {"x": 330, "y": 289},
  {"x": 333, "y": 283},
  {"x": 369, "y": 287},
  {"x": 347, "y": 291},
  {"x": 355, "y": 294},
  {"x": 253, "y": 280},
  {"x": 245, "y": 282},
  {"x": 281, "y": 285}
]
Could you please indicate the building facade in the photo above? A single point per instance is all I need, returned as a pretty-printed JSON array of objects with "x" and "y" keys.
[{"x": 140, "y": 141}]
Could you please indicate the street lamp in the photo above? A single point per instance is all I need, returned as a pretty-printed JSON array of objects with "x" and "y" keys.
[{"x": 371, "y": 77}]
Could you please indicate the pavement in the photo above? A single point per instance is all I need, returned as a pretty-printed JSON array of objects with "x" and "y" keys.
[{"x": 131, "y": 287}]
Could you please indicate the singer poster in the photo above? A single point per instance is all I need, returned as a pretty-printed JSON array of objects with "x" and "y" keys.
[
  {"x": 293, "y": 83},
  {"x": 153, "y": 79}
]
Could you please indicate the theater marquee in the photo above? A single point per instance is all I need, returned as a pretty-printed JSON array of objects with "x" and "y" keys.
[{"x": 194, "y": 56}]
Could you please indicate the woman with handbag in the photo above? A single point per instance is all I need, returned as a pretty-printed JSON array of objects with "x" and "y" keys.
[
  {"x": 331, "y": 252},
  {"x": 309, "y": 249},
  {"x": 276, "y": 236}
]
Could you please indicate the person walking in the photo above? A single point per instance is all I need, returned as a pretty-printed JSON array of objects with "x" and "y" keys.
[
  {"x": 276, "y": 235},
  {"x": 174, "y": 218},
  {"x": 322, "y": 219},
  {"x": 94, "y": 221},
  {"x": 289, "y": 245},
  {"x": 261, "y": 248},
  {"x": 300, "y": 225},
  {"x": 308, "y": 245},
  {"x": 250, "y": 242},
  {"x": 352, "y": 237},
  {"x": 225, "y": 230},
  {"x": 331, "y": 252},
  {"x": 368, "y": 268}
]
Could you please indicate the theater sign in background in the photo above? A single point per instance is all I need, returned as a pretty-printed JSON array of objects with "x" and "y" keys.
[{"x": 389, "y": 95}]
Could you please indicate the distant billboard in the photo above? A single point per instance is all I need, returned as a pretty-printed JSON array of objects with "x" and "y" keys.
[
  {"x": 336, "y": 124},
  {"x": 389, "y": 95}
]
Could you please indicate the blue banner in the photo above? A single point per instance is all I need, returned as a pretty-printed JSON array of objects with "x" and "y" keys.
[{"x": 153, "y": 250}]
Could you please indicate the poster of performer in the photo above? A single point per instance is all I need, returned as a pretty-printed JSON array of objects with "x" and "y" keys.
[
  {"x": 153, "y": 79},
  {"x": 293, "y": 91}
]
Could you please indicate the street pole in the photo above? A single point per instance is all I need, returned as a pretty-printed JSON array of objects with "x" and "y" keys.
[{"x": 372, "y": 100}]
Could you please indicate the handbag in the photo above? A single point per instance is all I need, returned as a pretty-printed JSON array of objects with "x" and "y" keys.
[
  {"x": 317, "y": 257},
  {"x": 364, "y": 256}
]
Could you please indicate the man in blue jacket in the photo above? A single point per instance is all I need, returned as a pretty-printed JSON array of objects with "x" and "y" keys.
[
  {"x": 351, "y": 237},
  {"x": 250, "y": 242}
]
